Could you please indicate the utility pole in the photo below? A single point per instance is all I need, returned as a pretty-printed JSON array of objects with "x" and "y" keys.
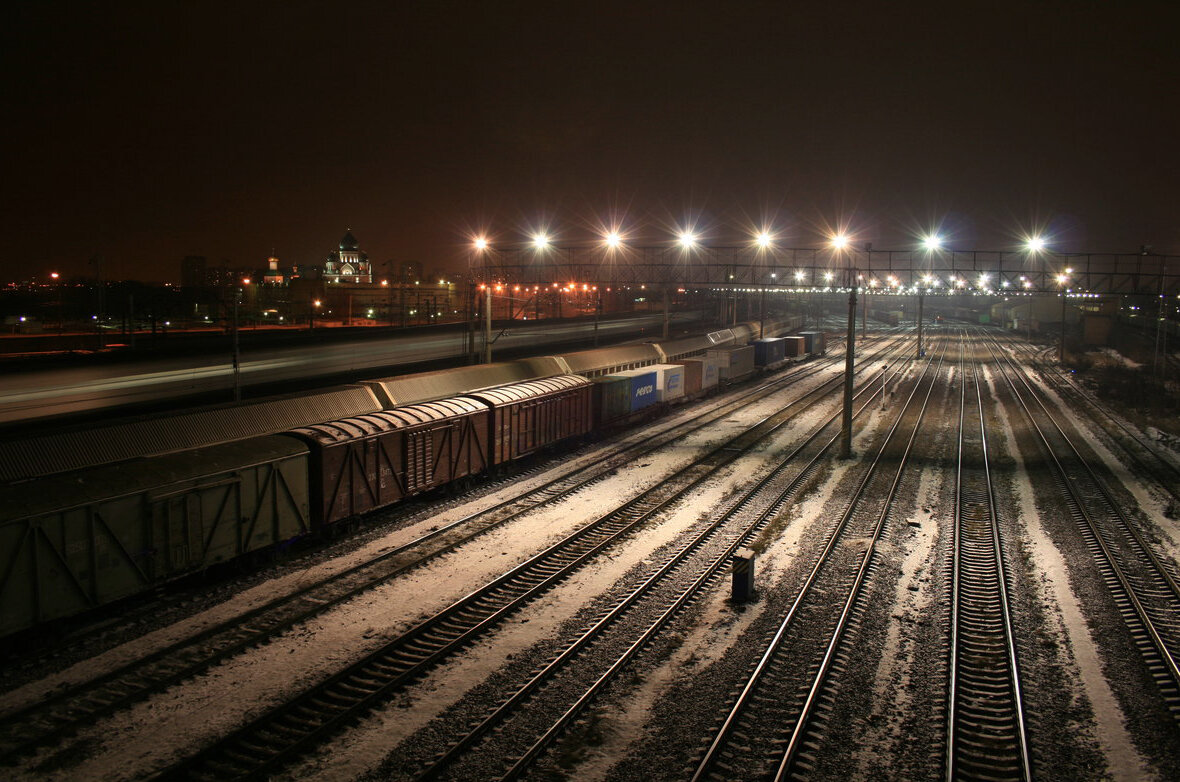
[
  {"x": 237, "y": 354},
  {"x": 597, "y": 315},
  {"x": 921, "y": 297},
  {"x": 487, "y": 325},
  {"x": 849, "y": 361}
]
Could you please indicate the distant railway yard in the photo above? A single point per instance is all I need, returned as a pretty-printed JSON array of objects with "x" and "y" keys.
[{"x": 986, "y": 589}]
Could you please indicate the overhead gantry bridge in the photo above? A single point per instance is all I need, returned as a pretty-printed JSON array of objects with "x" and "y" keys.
[{"x": 700, "y": 267}]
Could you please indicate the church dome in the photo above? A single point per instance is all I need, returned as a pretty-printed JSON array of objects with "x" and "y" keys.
[{"x": 348, "y": 242}]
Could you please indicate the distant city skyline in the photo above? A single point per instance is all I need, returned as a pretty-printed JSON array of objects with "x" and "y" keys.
[{"x": 142, "y": 134}]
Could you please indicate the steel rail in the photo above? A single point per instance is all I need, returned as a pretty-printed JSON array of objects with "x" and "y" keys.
[
  {"x": 1136, "y": 615},
  {"x": 51, "y": 719},
  {"x": 712, "y": 754},
  {"x": 990, "y": 741},
  {"x": 284, "y": 732},
  {"x": 706, "y": 575}
]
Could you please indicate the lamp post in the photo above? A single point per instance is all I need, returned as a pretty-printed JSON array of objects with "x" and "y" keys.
[
  {"x": 932, "y": 243},
  {"x": 839, "y": 242}
]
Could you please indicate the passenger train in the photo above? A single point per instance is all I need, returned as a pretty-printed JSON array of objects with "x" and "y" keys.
[{"x": 94, "y": 515}]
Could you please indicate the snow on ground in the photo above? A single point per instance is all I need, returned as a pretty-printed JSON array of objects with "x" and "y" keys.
[
  {"x": 891, "y": 686},
  {"x": 1149, "y": 504},
  {"x": 713, "y": 633},
  {"x": 363, "y": 748},
  {"x": 1064, "y": 609},
  {"x": 293, "y": 581},
  {"x": 170, "y": 725},
  {"x": 1118, "y": 358}
]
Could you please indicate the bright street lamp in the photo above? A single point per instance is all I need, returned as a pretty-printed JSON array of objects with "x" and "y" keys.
[
  {"x": 687, "y": 239},
  {"x": 763, "y": 240},
  {"x": 540, "y": 241},
  {"x": 481, "y": 243},
  {"x": 613, "y": 240}
]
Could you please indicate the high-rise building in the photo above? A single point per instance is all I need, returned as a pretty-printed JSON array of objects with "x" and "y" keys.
[{"x": 192, "y": 271}]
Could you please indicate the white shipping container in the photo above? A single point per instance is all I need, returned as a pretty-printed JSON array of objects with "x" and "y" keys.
[
  {"x": 710, "y": 373},
  {"x": 669, "y": 381},
  {"x": 733, "y": 363}
]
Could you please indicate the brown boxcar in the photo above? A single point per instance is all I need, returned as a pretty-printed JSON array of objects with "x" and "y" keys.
[
  {"x": 528, "y": 416},
  {"x": 367, "y": 462}
]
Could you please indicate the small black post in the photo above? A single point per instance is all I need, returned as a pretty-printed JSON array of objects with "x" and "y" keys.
[{"x": 742, "y": 589}]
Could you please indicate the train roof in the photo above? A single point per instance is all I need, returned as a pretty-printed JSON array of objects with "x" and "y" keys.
[
  {"x": 444, "y": 383},
  {"x": 586, "y": 361},
  {"x": 36, "y": 455},
  {"x": 521, "y": 391},
  {"x": 689, "y": 346},
  {"x": 329, "y": 432}
]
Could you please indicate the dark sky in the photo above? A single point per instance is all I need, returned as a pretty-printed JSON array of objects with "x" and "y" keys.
[{"x": 146, "y": 132}]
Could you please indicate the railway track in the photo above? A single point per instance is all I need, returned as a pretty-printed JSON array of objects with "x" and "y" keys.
[
  {"x": 986, "y": 736},
  {"x": 695, "y": 567},
  {"x": 776, "y": 721},
  {"x": 1143, "y": 587},
  {"x": 284, "y": 733},
  {"x": 1145, "y": 458},
  {"x": 51, "y": 719}
]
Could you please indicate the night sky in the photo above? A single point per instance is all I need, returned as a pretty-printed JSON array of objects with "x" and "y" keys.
[{"x": 147, "y": 132}]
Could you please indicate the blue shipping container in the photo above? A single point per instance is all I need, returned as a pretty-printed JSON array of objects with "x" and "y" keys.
[
  {"x": 769, "y": 351},
  {"x": 643, "y": 387}
]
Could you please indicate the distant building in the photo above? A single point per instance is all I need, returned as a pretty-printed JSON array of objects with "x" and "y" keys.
[
  {"x": 348, "y": 264},
  {"x": 192, "y": 271},
  {"x": 273, "y": 274}
]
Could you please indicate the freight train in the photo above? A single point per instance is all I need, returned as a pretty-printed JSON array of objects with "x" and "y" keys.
[{"x": 95, "y": 515}]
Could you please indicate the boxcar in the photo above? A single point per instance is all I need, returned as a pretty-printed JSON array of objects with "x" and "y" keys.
[
  {"x": 528, "y": 416},
  {"x": 366, "y": 462},
  {"x": 78, "y": 541}
]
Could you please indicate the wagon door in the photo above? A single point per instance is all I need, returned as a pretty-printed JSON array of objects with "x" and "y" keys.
[
  {"x": 419, "y": 460},
  {"x": 181, "y": 521}
]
